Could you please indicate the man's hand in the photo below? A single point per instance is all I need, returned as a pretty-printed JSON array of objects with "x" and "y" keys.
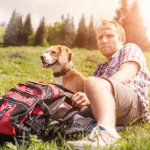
[{"x": 80, "y": 99}]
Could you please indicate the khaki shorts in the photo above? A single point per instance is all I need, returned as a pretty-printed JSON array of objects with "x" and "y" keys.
[{"x": 128, "y": 106}]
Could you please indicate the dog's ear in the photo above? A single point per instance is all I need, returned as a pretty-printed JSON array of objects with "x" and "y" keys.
[
  {"x": 65, "y": 55},
  {"x": 69, "y": 52}
]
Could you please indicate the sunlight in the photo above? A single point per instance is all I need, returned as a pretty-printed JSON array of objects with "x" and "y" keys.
[{"x": 144, "y": 8}]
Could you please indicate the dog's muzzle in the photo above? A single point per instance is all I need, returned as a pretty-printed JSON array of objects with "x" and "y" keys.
[{"x": 45, "y": 64}]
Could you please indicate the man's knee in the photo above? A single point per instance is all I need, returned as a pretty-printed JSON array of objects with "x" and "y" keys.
[{"x": 91, "y": 82}]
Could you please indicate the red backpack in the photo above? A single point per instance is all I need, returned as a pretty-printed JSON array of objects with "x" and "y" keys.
[{"x": 27, "y": 108}]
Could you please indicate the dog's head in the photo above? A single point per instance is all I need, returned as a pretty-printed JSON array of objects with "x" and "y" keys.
[{"x": 55, "y": 55}]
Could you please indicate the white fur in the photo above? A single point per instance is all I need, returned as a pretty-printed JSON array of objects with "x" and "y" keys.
[
  {"x": 58, "y": 80},
  {"x": 48, "y": 58}
]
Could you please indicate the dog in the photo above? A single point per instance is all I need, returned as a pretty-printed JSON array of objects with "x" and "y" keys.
[{"x": 59, "y": 59}]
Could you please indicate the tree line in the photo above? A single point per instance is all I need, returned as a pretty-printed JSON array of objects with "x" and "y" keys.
[{"x": 20, "y": 33}]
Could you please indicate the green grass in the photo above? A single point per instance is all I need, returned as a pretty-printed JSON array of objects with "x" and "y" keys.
[{"x": 21, "y": 64}]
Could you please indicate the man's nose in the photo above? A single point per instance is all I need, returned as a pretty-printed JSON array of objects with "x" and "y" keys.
[{"x": 104, "y": 40}]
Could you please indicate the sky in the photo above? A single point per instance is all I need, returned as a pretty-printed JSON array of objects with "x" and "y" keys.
[{"x": 52, "y": 10}]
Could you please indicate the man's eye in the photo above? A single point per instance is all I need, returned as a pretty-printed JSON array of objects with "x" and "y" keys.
[
  {"x": 100, "y": 37},
  {"x": 110, "y": 36}
]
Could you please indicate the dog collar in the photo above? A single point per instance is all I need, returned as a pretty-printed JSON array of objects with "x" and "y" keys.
[{"x": 61, "y": 73}]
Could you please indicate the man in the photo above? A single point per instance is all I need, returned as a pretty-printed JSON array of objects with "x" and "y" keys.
[{"x": 117, "y": 94}]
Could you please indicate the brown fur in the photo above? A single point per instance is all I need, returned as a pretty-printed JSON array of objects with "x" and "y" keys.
[{"x": 72, "y": 80}]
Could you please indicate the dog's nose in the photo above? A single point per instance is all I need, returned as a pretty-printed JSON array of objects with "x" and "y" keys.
[{"x": 42, "y": 57}]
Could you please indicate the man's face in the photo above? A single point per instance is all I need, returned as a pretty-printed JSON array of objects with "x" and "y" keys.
[{"x": 108, "y": 40}]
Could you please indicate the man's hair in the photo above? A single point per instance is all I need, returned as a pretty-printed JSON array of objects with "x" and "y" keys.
[{"x": 119, "y": 29}]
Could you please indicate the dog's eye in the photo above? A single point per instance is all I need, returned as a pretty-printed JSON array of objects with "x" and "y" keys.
[{"x": 53, "y": 52}]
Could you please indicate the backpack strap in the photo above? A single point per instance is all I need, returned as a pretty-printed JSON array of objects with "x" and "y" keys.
[
  {"x": 54, "y": 106},
  {"x": 32, "y": 121},
  {"x": 63, "y": 88}
]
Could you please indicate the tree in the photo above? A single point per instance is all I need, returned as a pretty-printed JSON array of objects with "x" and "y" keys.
[
  {"x": 135, "y": 30},
  {"x": 19, "y": 26},
  {"x": 16, "y": 32},
  {"x": 122, "y": 11},
  {"x": 81, "y": 38},
  {"x": 40, "y": 36},
  {"x": 53, "y": 33},
  {"x": 67, "y": 32},
  {"x": 27, "y": 29},
  {"x": 130, "y": 18},
  {"x": 2, "y": 32},
  {"x": 73, "y": 32},
  {"x": 11, "y": 33},
  {"x": 91, "y": 36}
]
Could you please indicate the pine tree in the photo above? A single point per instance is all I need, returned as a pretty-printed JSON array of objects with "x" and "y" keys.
[
  {"x": 16, "y": 32},
  {"x": 130, "y": 18},
  {"x": 122, "y": 11},
  {"x": 19, "y": 26},
  {"x": 67, "y": 32},
  {"x": 91, "y": 37},
  {"x": 81, "y": 38},
  {"x": 27, "y": 29},
  {"x": 73, "y": 31},
  {"x": 135, "y": 30},
  {"x": 40, "y": 35},
  {"x": 53, "y": 33},
  {"x": 11, "y": 33}
]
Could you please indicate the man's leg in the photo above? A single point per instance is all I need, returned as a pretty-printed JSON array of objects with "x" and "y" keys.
[
  {"x": 110, "y": 101},
  {"x": 100, "y": 93},
  {"x": 113, "y": 103}
]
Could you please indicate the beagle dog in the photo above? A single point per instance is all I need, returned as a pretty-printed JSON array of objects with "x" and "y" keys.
[{"x": 59, "y": 59}]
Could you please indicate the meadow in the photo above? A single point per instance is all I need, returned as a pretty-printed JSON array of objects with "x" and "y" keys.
[{"x": 22, "y": 64}]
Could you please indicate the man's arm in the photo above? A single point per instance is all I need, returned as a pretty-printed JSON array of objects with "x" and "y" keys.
[{"x": 126, "y": 72}]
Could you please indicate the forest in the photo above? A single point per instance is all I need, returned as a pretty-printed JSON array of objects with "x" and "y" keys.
[{"x": 21, "y": 33}]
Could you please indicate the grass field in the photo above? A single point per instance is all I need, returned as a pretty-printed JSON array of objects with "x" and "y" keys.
[{"x": 21, "y": 64}]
